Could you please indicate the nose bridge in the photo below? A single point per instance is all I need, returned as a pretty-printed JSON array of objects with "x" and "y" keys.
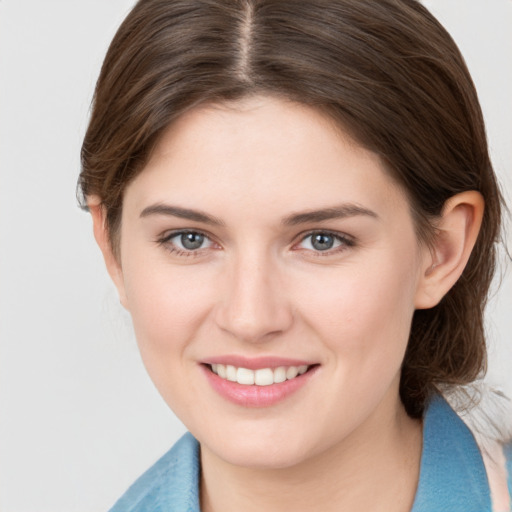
[{"x": 254, "y": 304}]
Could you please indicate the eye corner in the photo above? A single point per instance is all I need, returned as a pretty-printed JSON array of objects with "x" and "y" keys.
[
  {"x": 333, "y": 242},
  {"x": 176, "y": 243}
]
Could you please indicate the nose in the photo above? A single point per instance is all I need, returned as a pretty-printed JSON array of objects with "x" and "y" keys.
[{"x": 253, "y": 306}]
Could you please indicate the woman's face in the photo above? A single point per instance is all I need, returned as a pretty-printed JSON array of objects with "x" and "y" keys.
[{"x": 260, "y": 241}]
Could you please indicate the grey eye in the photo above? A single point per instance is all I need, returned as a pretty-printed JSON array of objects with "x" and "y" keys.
[
  {"x": 191, "y": 241},
  {"x": 322, "y": 241},
  {"x": 187, "y": 243}
]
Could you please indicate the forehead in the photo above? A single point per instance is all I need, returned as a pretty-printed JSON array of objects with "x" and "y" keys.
[{"x": 258, "y": 151}]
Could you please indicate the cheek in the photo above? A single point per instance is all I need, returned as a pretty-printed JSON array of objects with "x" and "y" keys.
[
  {"x": 168, "y": 308},
  {"x": 167, "y": 304},
  {"x": 363, "y": 313}
]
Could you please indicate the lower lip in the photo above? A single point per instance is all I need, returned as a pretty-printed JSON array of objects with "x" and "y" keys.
[{"x": 257, "y": 396}]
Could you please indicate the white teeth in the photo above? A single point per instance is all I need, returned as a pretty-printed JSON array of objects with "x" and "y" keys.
[
  {"x": 280, "y": 374},
  {"x": 245, "y": 376},
  {"x": 231, "y": 373},
  {"x": 264, "y": 377},
  {"x": 303, "y": 369},
  {"x": 221, "y": 371},
  {"x": 291, "y": 372},
  {"x": 261, "y": 377}
]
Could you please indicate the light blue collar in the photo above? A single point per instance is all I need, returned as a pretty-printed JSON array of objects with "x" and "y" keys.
[
  {"x": 452, "y": 475},
  {"x": 170, "y": 485}
]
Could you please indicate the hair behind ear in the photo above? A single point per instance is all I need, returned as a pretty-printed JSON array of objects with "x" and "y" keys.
[{"x": 447, "y": 329}]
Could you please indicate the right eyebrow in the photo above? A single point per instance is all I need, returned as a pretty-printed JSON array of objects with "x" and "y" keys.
[
  {"x": 334, "y": 212},
  {"x": 182, "y": 213}
]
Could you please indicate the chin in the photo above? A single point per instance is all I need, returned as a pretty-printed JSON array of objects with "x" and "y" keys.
[
  {"x": 272, "y": 450},
  {"x": 256, "y": 456}
]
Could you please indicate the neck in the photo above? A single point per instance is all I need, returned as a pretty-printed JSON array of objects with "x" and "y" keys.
[{"x": 375, "y": 468}]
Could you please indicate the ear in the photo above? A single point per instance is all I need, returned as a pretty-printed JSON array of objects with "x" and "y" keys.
[
  {"x": 98, "y": 214},
  {"x": 457, "y": 231}
]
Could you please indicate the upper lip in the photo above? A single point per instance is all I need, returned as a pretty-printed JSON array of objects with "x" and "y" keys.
[{"x": 256, "y": 363}]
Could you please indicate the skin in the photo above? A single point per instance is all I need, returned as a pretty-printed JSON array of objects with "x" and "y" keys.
[{"x": 258, "y": 287}]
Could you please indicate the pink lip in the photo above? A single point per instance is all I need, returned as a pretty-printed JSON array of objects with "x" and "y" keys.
[
  {"x": 255, "y": 363},
  {"x": 257, "y": 396}
]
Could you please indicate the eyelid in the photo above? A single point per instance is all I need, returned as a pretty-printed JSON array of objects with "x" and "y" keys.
[
  {"x": 168, "y": 234},
  {"x": 346, "y": 241},
  {"x": 165, "y": 240}
]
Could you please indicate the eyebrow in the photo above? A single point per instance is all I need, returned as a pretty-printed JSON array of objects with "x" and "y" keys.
[
  {"x": 335, "y": 212},
  {"x": 182, "y": 213}
]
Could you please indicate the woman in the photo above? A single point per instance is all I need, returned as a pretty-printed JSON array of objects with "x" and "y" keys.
[{"x": 296, "y": 204}]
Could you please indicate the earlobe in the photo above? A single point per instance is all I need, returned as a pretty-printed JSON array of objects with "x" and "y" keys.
[
  {"x": 101, "y": 235},
  {"x": 457, "y": 232}
]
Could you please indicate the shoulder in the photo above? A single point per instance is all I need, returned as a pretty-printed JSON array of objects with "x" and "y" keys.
[
  {"x": 507, "y": 451},
  {"x": 489, "y": 417},
  {"x": 172, "y": 480},
  {"x": 508, "y": 458},
  {"x": 463, "y": 465}
]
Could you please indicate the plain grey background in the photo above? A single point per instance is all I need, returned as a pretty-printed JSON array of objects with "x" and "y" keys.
[{"x": 79, "y": 418}]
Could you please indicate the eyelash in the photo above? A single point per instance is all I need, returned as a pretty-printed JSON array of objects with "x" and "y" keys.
[
  {"x": 344, "y": 240},
  {"x": 165, "y": 241}
]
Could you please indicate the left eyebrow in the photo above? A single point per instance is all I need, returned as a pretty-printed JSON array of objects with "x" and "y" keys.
[
  {"x": 335, "y": 212},
  {"x": 182, "y": 213}
]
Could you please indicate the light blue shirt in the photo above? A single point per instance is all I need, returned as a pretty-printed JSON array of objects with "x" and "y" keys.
[{"x": 452, "y": 473}]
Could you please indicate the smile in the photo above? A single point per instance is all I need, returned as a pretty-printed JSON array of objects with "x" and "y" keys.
[
  {"x": 268, "y": 381},
  {"x": 259, "y": 377}
]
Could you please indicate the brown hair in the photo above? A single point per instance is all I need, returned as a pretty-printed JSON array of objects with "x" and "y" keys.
[{"x": 385, "y": 70}]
